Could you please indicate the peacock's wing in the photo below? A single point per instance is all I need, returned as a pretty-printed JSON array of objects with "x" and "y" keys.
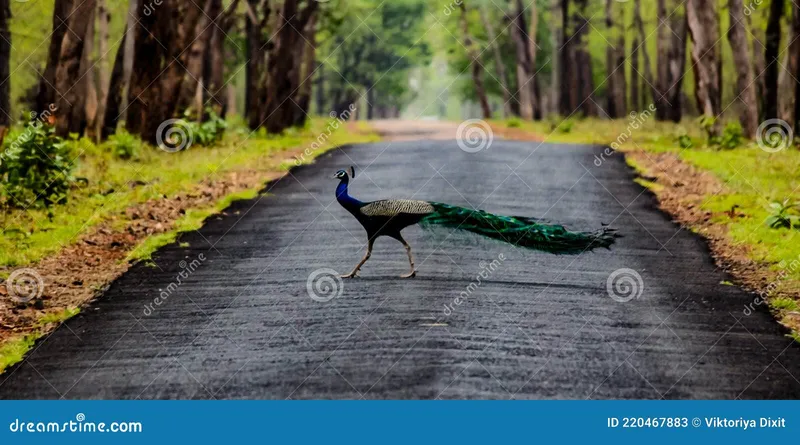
[{"x": 394, "y": 207}]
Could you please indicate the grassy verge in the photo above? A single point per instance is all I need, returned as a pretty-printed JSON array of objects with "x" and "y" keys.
[
  {"x": 114, "y": 185},
  {"x": 750, "y": 178}
]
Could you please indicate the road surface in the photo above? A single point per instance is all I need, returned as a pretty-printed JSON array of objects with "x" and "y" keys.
[{"x": 243, "y": 325}]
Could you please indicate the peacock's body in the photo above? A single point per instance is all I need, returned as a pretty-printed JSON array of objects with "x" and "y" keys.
[{"x": 388, "y": 217}]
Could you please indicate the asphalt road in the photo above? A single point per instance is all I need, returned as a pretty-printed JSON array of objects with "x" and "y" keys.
[{"x": 242, "y": 324}]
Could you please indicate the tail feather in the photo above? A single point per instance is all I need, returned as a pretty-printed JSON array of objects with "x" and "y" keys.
[{"x": 519, "y": 230}]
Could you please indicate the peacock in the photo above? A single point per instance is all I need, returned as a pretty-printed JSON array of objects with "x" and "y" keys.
[{"x": 388, "y": 217}]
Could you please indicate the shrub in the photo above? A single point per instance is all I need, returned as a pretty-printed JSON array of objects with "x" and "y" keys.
[
  {"x": 708, "y": 124},
  {"x": 683, "y": 139},
  {"x": 732, "y": 136},
  {"x": 514, "y": 122},
  {"x": 36, "y": 168},
  {"x": 782, "y": 214},
  {"x": 208, "y": 132},
  {"x": 562, "y": 126},
  {"x": 123, "y": 144}
]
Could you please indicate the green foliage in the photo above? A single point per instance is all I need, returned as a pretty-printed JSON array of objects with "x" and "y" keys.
[
  {"x": 683, "y": 139},
  {"x": 732, "y": 136},
  {"x": 708, "y": 124},
  {"x": 35, "y": 168},
  {"x": 207, "y": 132},
  {"x": 563, "y": 126},
  {"x": 784, "y": 214},
  {"x": 513, "y": 122},
  {"x": 124, "y": 145}
]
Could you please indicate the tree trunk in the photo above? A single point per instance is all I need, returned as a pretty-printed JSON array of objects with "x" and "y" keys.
[
  {"x": 195, "y": 64},
  {"x": 615, "y": 57},
  {"x": 147, "y": 60},
  {"x": 757, "y": 69},
  {"x": 704, "y": 29},
  {"x": 116, "y": 86},
  {"x": 648, "y": 73},
  {"x": 303, "y": 97},
  {"x": 555, "y": 81},
  {"x": 476, "y": 67},
  {"x": 789, "y": 88},
  {"x": 771, "y": 52},
  {"x": 671, "y": 61},
  {"x": 47, "y": 92},
  {"x": 636, "y": 68},
  {"x": 69, "y": 82},
  {"x": 5, "y": 72},
  {"x": 524, "y": 66},
  {"x": 745, "y": 90},
  {"x": 569, "y": 76},
  {"x": 500, "y": 67},
  {"x": 102, "y": 67},
  {"x": 583, "y": 61},
  {"x": 87, "y": 118},
  {"x": 254, "y": 71}
]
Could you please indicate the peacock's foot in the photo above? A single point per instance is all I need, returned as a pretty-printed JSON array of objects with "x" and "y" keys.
[
  {"x": 352, "y": 274},
  {"x": 411, "y": 274}
]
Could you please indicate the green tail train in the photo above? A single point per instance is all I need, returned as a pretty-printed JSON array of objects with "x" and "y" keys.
[{"x": 518, "y": 230}]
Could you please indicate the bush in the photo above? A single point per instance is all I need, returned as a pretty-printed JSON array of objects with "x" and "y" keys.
[
  {"x": 514, "y": 122},
  {"x": 562, "y": 125},
  {"x": 732, "y": 136},
  {"x": 36, "y": 168},
  {"x": 208, "y": 132},
  {"x": 683, "y": 139},
  {"x": 123, "y": 144},
  {"x": 782, "y": 214}
]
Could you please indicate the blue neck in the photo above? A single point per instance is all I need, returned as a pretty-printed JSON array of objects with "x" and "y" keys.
[{"x": 344, "y": 198}]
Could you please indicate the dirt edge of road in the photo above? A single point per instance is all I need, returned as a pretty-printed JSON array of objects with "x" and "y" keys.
[
  {"x": 681, "y": 190},
  {"x": 82, "y": 271}
]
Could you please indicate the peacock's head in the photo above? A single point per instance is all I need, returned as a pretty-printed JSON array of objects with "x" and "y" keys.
[{"x": 344, "y": 175}]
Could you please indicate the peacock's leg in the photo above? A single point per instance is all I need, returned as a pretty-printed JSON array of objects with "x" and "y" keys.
[
  {"x": 363, "y": 260},
  {"x": 413, "y": 272}
]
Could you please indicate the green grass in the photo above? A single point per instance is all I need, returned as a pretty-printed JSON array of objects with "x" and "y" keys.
[
  {"x": 752, "y": 179},
  {"x": 13, "y": 351},
  {"x": 116, "y": 184}
]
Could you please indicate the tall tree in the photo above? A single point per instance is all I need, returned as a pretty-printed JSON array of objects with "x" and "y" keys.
[
  {"x": 771, "y": 52},
  {"x": 256, "y": 19},
  {"x": 745, "y": 89},
  {"x": 499, "y": 65},
  {"x": 615, "y": 57},
  {"x": 280, "y": 110},
  {"x": 671, "y": 60},
  {"x": 583, "y": 60},
  {"x": 568, "y": 74},
  {"x": 47, "y": 79},
  {"x": 103, "y": 77},
  {"x": 642, "y": 47},
  {"x": 5, "y": 73},
  {"x": 703, "y": 21},
  {"x": 475, "y": 66},
  {"x": 525, "y": 58},
  {"x": 70, "y": 85},
  {"x": 787, "y": 101}
]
